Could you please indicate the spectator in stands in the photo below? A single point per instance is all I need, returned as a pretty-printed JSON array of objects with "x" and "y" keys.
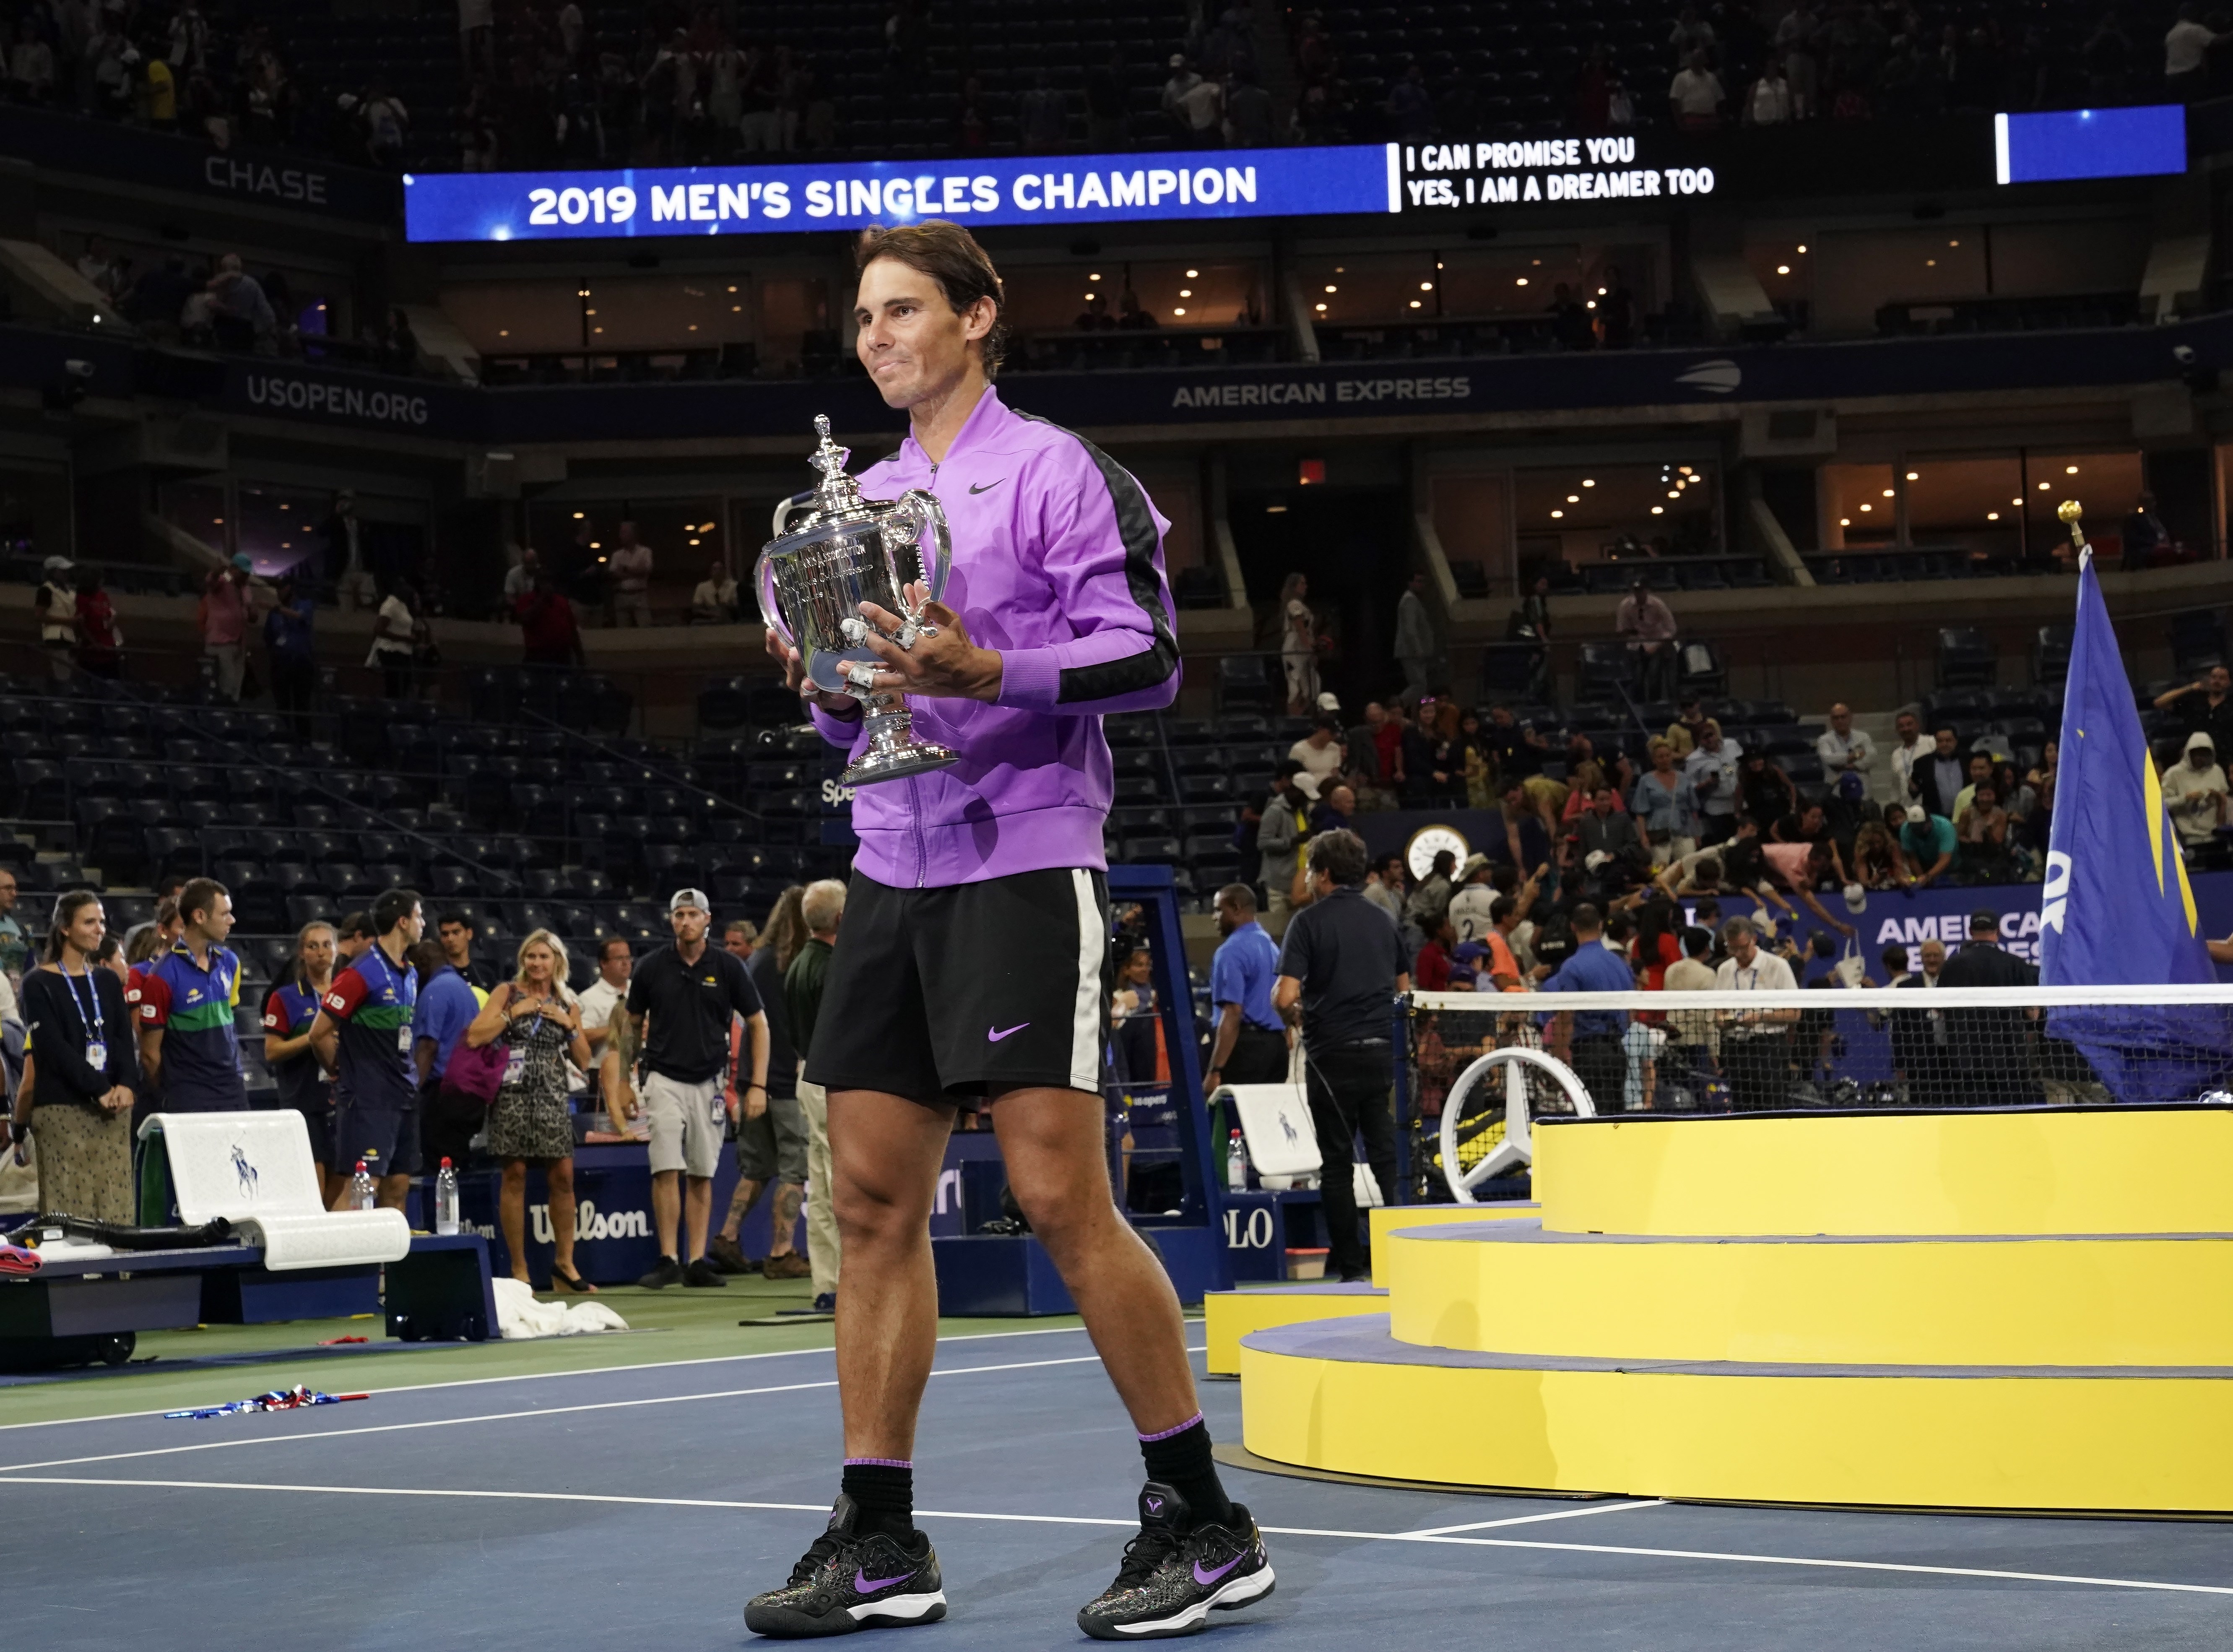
[
  {"x": 1386, "y": 888},
  {"x": 1410, "y": 105},
  {"x": 1529, "y": 832},
  {"x": 714, "y": 600},
  {"x": 1938, "y": 780},
  {"x": 1986, "y": 1048},
  {"x": 607, "y": 991},
  {"x": 1416, "y": 648},
  {"x": 1250, "y": 1045},
  {"x": 1755, "y": 1044},
  {"x": 1320, "y": 751},
  {"x": 291, "y": 653},
  {"x": 686, "y": 1043},
  {"x": 741, "y": 939},
  {"x": 1298, "y": 645},
  {"x": 347, "y": 565},
  {"x": 1430, "y": 901},
  {"x": 549, "y": 634},
  {"x": 1248, "y": 113},
  {"x": 1666, "y": 806},
  {"x": 629, "y": 565},
  {"x": 15, "y": 947},
  {"x": 1592, "y": 1039},
  {"x": 2146, "y": 541},
  {"x": 240, "y": 314},
  {"x": 1843, "y": 748},
  {"x": 1908, "y": 749},
  {"x": 55, "y": 603},
  {"x": 1688, "y": 728},
  {"x": 519, "y": 578},
  {"x": 1437, "y": 768},
  {"x": 1107, "y": 103},
  {"x": 1612, "y": 852},
  {"x": 1876, "y": 856},
  {"x": 1983, "y": 833},
  {"x": 771, "y": 1139},
  {"x": 1339, "y": 970},
  {"x": 1713, "y": 780},
  {"x": 363, "y": 1036},
  {"x": 1768, "y": 103},
  {"x": 1571, "y": 327},
  {"x": 1979, "y": 771},
  {"x": 458, "y": 932},
  {"x": 449, "y": 1116},
  {"x": 290, "y": 1008},
  {"x": 2186, "y": 48},
  {"x": 225, "y": 614},
  {"x": 188, "y": 1042},
  {"x": 387, "y": 125},
  {"x": 1430, "y": 968},
  {"x": 2194, "y": 791},
  {"x": 1337, "y": 810},
  {"x": 1765, "y": 792},
  {"x": 1927, "y": 843},
  {"x": 1042, "y": 120},
  {"x": 1695, "y": 95},
  {"x": 395, "y": 639},
  {"x": 1470, "y": 903},
  {"x": 1362, "y": 745},
  {"x": 2205, "y": 706},
  {"x": 1280, "y": 838},
  {"x": 822, "y": 908},
  {"x": 31, "y": 66},
  {"x": 77, "y": 1097},
  {"x": 1516, "y": 750},
  {"x": 1648, "y": 625}
]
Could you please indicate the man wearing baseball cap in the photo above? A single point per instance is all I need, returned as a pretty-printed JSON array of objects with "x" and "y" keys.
[{"x": 681, "y": 997}]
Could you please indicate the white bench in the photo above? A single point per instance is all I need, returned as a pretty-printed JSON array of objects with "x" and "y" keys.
[{"x": 255, "y": 1170}]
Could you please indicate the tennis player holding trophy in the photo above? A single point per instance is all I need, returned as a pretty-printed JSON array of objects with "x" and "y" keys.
[{"x": 972, "y": 968}]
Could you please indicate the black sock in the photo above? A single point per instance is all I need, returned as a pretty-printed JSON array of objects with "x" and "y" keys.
[
  {"x": 882, "y": 1488},
  {"x": 1180, "y": 1458}
]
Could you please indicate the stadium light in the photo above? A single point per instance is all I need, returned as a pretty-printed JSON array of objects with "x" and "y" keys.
[
  {"x": 1555, "y": 514},
  {"x": 1658, "y": 510}
]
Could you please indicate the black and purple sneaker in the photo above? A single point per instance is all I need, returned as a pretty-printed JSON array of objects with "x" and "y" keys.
[
  {"x": 1176, "y": 1572},
  {"x": 846, "y": 1581}
]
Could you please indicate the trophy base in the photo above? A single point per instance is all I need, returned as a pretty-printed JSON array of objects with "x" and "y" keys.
[
  {"x": 894, "y": 753},
  {"x": 897, "y": 764}
]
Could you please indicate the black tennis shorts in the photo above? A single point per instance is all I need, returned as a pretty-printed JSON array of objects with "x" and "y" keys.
[{"x": 947, "y": 995}]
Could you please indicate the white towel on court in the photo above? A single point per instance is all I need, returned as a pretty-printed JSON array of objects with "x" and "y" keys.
[{"x": 519, "y": 1316}]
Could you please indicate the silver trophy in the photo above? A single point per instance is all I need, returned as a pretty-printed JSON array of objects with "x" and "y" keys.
[{"x": 815, "y": 573}]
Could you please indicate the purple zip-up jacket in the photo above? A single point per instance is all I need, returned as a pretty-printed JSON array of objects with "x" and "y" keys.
[{"x": 1057, "y": 564}]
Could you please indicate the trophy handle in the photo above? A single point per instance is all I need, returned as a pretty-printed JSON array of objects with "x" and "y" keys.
[
  {"x": 764, "y": 588},
  {"x": 805, "y": 501},
  {"x": 918, "y": 519}
]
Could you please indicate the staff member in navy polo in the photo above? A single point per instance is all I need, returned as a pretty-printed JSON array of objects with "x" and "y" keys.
[
  {"x": 448, "y": 1001},
  {"x": 1251, "y": 1045},
  {"x": 188, "y": 1046},
  {"x": 1341, "y": 969},
  {"x": 1594, "y": 1049},
  {"x": 290, "y": 1010},
  {"x": 689, "y": 990},
  {"x": 363, "y": 1035}
]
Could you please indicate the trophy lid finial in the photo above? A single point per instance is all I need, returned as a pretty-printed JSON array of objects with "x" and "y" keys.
[{"x": 838, "y": 490}]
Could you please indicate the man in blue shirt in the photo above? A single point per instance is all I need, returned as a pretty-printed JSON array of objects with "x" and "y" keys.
[
  {"x": 1593, "y": 1044},
  {"x": 447, "y": 1004},
  {"x": 1250, "y": 1046}
]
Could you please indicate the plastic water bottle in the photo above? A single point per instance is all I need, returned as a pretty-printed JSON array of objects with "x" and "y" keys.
[
  {"x": 362, "y": 1194},
  {"x": 1236, "y": 1164},
  {"x": 445, "y": 1199}
]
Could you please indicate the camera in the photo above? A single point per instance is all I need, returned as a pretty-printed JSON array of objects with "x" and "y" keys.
[
  {"x": 78, "y": 369},
  {"x": 2183, "y": 354}
]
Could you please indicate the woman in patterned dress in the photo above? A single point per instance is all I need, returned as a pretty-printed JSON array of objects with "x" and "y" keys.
[{"x": 535, "y": 1018}]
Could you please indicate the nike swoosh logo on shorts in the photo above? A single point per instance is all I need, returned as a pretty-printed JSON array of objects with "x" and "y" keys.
[
  {"x": 987, "y": 488},
  {"x": 1205, "y": 1578},
  {"x": 864, "y": 1584},
  {"x": 994, "y": 1035}
]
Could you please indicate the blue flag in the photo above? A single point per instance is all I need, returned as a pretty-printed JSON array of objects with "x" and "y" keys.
[{"x": 2117, "y": 910}]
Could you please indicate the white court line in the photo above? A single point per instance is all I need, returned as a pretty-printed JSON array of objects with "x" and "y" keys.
[
  {"x": 1530, "y": 1519},
  {"x": 538, "y": 1376},
  {"x": 509, "y": 1416},
  {"x": 1276, "y": 1530}
]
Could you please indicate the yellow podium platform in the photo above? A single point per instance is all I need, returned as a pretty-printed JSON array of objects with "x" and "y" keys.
[{"x": 2021, "y": 1310}]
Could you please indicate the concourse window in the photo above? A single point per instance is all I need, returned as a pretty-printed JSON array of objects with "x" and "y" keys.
[
  {"x": 1597, "y": 513},
  {"x": 1859, "y": 504},
  {"x": 278, "y": 526}
]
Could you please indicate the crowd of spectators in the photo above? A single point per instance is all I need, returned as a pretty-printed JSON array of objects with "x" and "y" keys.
[
  {"x": 407, "y": 1050},
  {"x": 528, "y": 85}
]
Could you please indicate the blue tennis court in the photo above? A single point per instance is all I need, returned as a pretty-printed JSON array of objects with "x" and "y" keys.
[{"x": 648, "y": 1501}]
